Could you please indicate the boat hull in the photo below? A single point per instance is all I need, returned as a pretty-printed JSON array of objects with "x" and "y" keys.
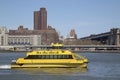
[{"x": 48, "y": 65}]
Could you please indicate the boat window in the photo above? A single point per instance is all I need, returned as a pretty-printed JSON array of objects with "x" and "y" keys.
[
  {"x": 54, "y": 56},
  {"x": 40, "y": 57},
  {"x": 60, "y": 57},
  {"x": 67, "y": 57},
  {"x": 49, "y": 57},
  {"x": 43, "y": 57},
  {"x": 70, "y": 57},
  {"x": 32, "y": 57}
]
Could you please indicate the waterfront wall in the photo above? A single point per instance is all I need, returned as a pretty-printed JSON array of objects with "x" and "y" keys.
[{"x": 76, "y": 48}]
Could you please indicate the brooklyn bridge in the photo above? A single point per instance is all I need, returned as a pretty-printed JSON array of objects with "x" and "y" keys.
[{"x": 108, "y": 38}]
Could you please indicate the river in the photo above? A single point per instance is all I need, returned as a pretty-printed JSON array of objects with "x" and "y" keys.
[{"x": 101, "y": 66}]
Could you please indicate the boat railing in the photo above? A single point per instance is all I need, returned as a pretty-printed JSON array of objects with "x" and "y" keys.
[{"x": 80, "y": 56}]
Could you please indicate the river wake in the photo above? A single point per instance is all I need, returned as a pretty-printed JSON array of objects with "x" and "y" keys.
[{"x": 5, "y": 66}]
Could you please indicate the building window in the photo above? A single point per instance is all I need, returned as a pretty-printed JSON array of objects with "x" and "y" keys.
[{"x": 2, "y": 40}]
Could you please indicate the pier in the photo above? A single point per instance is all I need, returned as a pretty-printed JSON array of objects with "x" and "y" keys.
[{"x": 82, "y": 48}]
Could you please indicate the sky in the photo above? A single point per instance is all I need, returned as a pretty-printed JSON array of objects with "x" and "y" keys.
[{"x": 85, "y": 16}]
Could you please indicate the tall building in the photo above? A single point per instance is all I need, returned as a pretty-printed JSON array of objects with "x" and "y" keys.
[
  {"x": 3, "y": 36},
  {"x": 73, "y": 34},
  {"x": 40, "y": 19}
]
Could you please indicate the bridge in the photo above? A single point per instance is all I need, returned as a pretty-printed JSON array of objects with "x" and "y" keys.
[
  {"x": 97, "y": 36},
  {"x": 108, "y": 38}
]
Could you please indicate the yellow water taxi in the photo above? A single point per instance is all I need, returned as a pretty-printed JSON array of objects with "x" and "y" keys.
[{"x": 56, "y": 58}]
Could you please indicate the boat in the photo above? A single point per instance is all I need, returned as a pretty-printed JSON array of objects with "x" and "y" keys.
[{"x": 51, "y": 58}]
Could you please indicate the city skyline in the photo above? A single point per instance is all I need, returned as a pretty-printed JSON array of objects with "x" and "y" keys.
[{"x": 86, "y": 17}]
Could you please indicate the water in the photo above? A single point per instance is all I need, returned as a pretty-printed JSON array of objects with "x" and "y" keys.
[{"x": 102, "y": 66}]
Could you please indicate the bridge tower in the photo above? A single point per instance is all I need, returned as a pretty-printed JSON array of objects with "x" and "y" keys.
[{"x": 114, "y": 38}]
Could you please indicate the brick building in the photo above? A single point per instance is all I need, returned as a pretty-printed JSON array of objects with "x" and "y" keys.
[
  {"x": 47, "y": 36},
  {"x": 40, "y": 19}
]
